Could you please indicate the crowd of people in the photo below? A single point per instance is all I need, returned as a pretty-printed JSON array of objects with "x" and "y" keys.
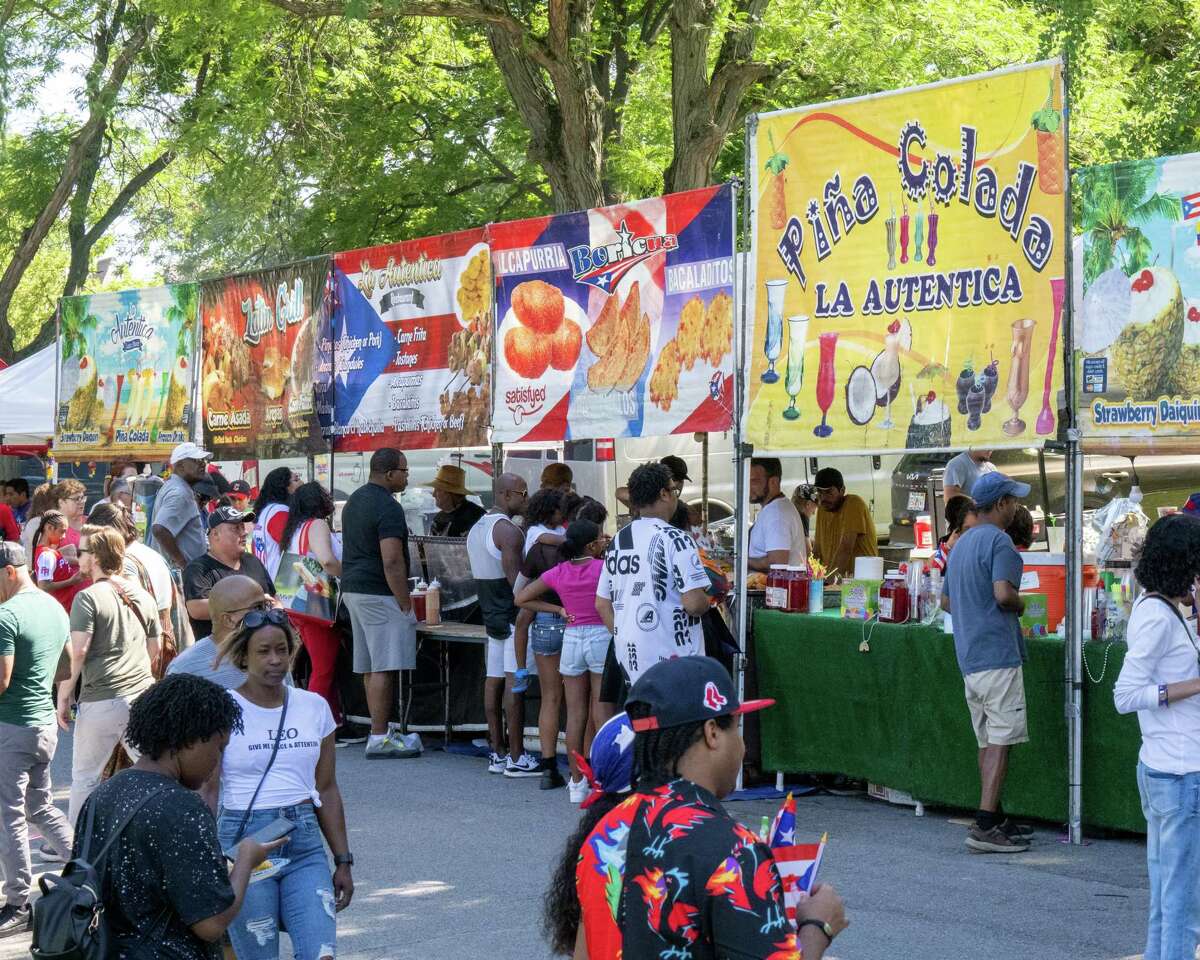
[{"x": 173, "y": 661}]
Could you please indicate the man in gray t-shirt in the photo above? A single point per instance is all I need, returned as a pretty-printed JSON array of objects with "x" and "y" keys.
[
  {"x": 963, "y": 471},
  {"x": 177, "y": 527},
  {"x": 982, "y": 593}
]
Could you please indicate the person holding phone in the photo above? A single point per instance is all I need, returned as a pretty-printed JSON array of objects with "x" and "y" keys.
[
  {"x": 281, "y": 766},
  {"x": 165, "y": 881}
]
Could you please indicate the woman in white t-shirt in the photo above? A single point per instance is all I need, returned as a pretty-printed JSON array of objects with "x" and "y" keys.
[
  {"x": 1160, "y": 679},
  {"x": 270, "y": 516},
  {"x": 293, "y": 890}
]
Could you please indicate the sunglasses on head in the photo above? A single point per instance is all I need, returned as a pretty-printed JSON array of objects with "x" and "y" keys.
[{"x": 259, "y": 618}]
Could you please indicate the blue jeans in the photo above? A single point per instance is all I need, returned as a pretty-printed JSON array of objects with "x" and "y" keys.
[
  {"x": 1171, "y": 803},
  {"x": 297, "y": 896},
  {"x": 546, "y": 634}
]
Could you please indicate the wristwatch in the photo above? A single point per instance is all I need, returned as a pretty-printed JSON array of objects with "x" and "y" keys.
[
  {"x": 819, "y": 924},
  {"x": 344, "y": 860}
]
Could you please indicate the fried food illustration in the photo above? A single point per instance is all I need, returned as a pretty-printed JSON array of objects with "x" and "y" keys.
[
  {"x": 474, "y": 285},
  {"x": 565, "y": 346},
  {"x": 621, "y": 341},
  {"x": 704, "y": 333},
  {"x": 664, "y": 381},
  {"x": 274, "y": 373},
  {"x": 527, "y": 353},
  {"x": 539, "y": 306}
]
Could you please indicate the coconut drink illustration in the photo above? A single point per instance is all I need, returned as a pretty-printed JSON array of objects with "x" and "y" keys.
[
  {"x": 1185, "y": 378},
  {"x": 1149, "y": 343},
  {"x": 861, "y": 392},
  {"x": 930, "y": 426}
]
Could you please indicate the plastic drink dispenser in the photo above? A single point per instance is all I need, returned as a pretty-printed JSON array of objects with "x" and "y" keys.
[{"x": 798, "y": 582}]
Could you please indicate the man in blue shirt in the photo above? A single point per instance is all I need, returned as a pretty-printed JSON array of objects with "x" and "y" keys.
[{"x": 981, "y": 591}]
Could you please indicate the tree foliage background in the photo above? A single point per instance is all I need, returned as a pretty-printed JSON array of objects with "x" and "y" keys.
[{"x": 202, "y": 138}]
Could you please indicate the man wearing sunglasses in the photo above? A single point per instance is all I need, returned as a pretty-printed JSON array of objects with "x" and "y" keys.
[
  {"x": 230, "y": 601},
  {"x": 226, "y": 556}
]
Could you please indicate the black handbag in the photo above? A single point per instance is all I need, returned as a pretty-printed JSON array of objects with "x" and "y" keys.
[{"x": 68, "y": 919}]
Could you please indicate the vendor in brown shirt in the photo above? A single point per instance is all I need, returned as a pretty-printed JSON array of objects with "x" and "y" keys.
[{"x": 845, "y": 529}]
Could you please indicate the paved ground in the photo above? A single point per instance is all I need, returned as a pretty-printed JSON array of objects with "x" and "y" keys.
[{"x": 452, "y": 864}]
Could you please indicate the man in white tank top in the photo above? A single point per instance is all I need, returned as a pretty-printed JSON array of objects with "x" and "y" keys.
[{"x": 494, "y": 549}]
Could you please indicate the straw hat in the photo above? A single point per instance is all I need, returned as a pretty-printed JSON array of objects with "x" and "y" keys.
[{"x": 451, "y": 479}]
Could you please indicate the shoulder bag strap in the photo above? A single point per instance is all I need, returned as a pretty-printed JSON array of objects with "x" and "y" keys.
[
  {"x": 125, "y": 821},
  {"x": 1174, "y": 609},
  {"x": 302, "y": 546},
  {"x": 270, "y": 763},
  {"x": 124, "y": 598}
]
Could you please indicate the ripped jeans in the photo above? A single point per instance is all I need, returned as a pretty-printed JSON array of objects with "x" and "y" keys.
[{"x": 295, "y": 893}]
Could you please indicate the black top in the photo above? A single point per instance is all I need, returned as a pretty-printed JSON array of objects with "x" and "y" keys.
[
  {"x": 370, "y": 515},
  {"x": 697, "y": 884},
  {"x": 540, "y": 558},
  {"x": 164, "y": 873},
  {"x": 458, "y": 521},
  {"x": 204, "y": 573}
]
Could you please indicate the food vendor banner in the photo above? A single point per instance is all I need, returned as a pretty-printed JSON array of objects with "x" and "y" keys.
[
  {"x": 125, "y": 373},
  {"x": 1137, "y": 330},
  {"x": 412, "y": 333},
  {"x": 908, "y": 270},
  {"x": 266, "y": 346},
  {"x": 616, "y": 322}
]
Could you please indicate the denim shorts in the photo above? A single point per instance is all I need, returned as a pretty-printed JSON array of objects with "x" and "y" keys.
[
  {"x": 295, "y": 893},
  {"x": 546, "y": 634},
  {"x": 584, "y": 650}
]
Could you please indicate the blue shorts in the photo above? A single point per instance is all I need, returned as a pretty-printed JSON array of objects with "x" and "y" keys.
[{"x": 546, "y": 634}]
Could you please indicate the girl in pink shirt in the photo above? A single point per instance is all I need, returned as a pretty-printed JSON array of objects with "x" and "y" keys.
[{"x": 585, "y": 640}]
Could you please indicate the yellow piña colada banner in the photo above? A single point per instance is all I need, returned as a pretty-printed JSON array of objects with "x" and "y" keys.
[{"x": 908, "y": 281}]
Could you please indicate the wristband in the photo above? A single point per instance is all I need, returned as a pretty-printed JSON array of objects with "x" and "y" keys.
[
  {"x": 821, "y": 925},
  {"x": 1162, "y": 694}
]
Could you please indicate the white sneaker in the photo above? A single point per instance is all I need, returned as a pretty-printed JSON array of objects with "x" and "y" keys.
[
  {"x": 577, "y": 790},
  {"x": 496, "y": 763},
  {"x": 526, "y": 766}
]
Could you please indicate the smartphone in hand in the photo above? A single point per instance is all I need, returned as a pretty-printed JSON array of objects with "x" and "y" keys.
[{"x": 277, "y": 828}]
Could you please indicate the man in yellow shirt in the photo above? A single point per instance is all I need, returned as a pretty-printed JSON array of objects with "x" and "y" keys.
[{"x": 845, "y": 529}]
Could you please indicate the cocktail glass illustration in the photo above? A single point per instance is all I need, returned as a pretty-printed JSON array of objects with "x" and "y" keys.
[
  {"x": 904, "y": 221},
  {"x": 825, "y": 382},
  {"x": 890, "y": 223},
  {"x": 887, "y": 371},
  {"x": 919, "y": 237},
  {"x": 1045, "y": 420},
  {"x": 933, "y": 222},
  {"x": 774, "y": 340},
  {"x": 1018, "y": 376},
  {"x": 794, "y": 377}
]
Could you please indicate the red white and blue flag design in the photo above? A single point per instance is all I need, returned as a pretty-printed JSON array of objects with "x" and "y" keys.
[
  {"x": 1190, "y": 206},
  {"x": 798, "y": 863},
  {"x": 617, "y": 321}
]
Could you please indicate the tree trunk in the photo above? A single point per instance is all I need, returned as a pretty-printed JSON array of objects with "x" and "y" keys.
[{"x": 81, "y": 144}]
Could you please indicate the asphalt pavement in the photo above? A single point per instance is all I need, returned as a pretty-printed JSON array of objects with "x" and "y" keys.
[{"x": 452, "y": 863}]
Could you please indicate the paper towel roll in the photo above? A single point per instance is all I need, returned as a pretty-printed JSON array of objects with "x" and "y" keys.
[{"x": 868, "y": 568}]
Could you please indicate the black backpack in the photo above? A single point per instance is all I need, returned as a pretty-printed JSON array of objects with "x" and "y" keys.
[{"x": 68, "y": 919}]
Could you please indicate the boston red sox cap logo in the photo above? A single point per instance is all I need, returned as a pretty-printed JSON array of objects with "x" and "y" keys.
[{"x": 712, "y": 697}]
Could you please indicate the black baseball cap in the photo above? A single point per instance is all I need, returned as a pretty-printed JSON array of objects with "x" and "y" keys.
[
  {"x": 229, "y": 515},
  {"x": 204, "y": 487},
  {"x": 239, "y": 488},
  {"x": 677, "y": 466},
  {"x": 12, "y": 554},
  {"x": 687, "y": 690}
]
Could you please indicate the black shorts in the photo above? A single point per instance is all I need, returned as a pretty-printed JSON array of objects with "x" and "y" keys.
[{"x": 614, "y": 685}]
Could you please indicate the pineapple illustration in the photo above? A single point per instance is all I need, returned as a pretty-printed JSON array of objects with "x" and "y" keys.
[
  {"x": 776, "y": 200},
  {"x": 1149, "y": 344},
  {"x": 1047, "y": 123},
  {"x": 1185, "y": 378}
]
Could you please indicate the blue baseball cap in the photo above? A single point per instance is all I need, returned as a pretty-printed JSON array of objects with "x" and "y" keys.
[
  {"x": 611, "y": 766},
  {"x": 686, "y": 690},
  {"x": 992, "y": 486}
]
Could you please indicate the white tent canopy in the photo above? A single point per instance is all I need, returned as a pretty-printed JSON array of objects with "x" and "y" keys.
[{"x": 27, "y": 399}]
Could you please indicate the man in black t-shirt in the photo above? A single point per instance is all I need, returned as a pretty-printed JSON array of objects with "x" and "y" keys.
[
  {"x": 226, "y": 556},
  {"x": 375, "y": 569}
]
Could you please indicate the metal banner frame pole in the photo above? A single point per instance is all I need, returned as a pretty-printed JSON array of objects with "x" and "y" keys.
[{"x": 741, "y": 506}]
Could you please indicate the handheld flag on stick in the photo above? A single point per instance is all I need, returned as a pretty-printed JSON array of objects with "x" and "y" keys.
[{"x": 798, "y": 864}]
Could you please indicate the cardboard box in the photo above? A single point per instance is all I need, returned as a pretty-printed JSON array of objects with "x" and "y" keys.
[{"x": 860, "y": 599}]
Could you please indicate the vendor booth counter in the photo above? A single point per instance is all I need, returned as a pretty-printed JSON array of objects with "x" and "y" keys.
[{"x": 895, "y": 715}]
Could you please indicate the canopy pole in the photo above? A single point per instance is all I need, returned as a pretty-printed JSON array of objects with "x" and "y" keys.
[
  {"x": 741, "y": 273},
  {"x": 704, "y": 483}
]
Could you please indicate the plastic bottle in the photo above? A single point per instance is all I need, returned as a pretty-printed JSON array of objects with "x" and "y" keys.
[
  {"x": 776, "y": 595},
  {"x": 433, "y": 604},
  {"x": 418, "y": 598}
]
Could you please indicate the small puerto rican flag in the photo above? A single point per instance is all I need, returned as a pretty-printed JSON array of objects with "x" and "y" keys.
[
  {"x": 1190, "y": 206},
  {"x": 797, "y": 863}
]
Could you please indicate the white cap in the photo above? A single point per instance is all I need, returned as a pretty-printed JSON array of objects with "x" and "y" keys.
[{"x": 189, "y": 451}]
